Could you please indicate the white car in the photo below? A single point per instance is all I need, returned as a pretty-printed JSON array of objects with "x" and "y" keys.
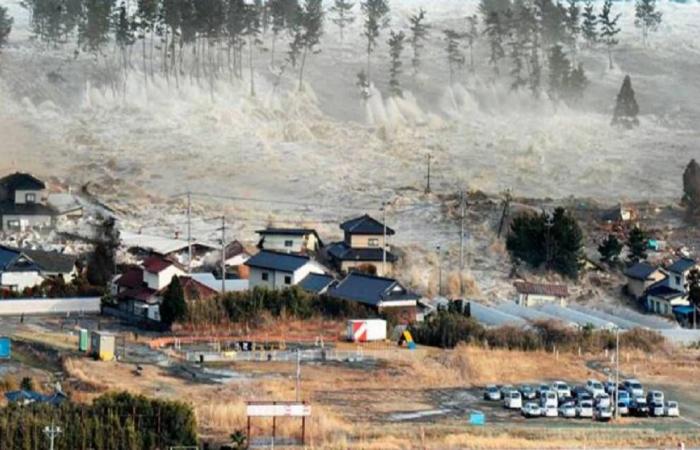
[
  {"x": 672, "y": 409},
  {"x": 505, "y": 389},
  {"x": 548, "y": 399},
  {"x": 657, "y": 409},
  {"x": 531, "y": 410},
  {"x": 634, "y": 387},
  {"x": 624, "y": 409},
  {"x": 595, "y": 388},
  {"x": 603, "y": 401},
  {"x": 603, "y": 414},
  {"x": 492, "y": 393},
  {"x": 513, "y": 400},
  {"x": 550, "y": 411},
  {"x": 655, "y": 396},
  {"x": 567, "y": 410},
  {"x": 562, "y": 389},
  {"x": 585, "y": 409},
  {"x": 542, "y": 388}
]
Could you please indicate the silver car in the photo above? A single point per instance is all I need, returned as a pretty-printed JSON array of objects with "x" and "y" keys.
[
  {"x": 603, "y": 414},
  {"x": 585, "y": 409},
  {"x": 567, "y": 410},
  {"x": 672, "y": 409},
  {"x": 492, "y": 393}
]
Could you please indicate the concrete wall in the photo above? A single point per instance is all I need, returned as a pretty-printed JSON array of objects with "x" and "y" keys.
[
  {"x": 21, "y": 196},
  {"x": 534, "y": 300},
  {"x": 18, "y": 281},
  {"x": 363, "y": 241},
  {"x": 49, "y": 306},
  {"x": 26, "y": 221}
]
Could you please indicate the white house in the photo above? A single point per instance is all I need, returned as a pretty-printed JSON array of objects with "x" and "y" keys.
[
  {"x": 289, "y": 240},
  {"x": 678, "y": 273},
  {"x": 276, "y": 270},
  {"x": 23, "y": 203},
  {"x": 158, "y": 272},
  {"x": 533, "y": 294},
  {"x": 24, "y": 268}
]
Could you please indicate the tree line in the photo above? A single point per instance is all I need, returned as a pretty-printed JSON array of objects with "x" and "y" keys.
[{"x": 113, "y": 421}]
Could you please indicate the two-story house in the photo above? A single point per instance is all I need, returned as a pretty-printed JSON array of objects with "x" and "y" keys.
[
  {"x": 640, "y": 277},
  {"x": 23, "y": 203},
  {"x": 289, "y": 240},
  {"x": 25, "y": 268},
  {"x": 277, "y": 270},
  {"x": 363, "y": 247}
]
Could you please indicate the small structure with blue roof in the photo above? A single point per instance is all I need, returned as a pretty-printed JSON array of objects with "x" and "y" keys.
[{"x": 316, "y": 283}]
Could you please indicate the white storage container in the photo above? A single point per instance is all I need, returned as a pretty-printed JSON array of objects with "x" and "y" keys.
[{"x": 366, "y": 330}]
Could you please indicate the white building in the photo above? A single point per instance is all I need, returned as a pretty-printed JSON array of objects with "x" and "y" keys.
[
  {"x": 289, "y": 240},
  {"x": 24, "y": 268},
  {"x": 158, "y": 272},
  {"x": 23, "y": 203},
  {"x": 533, "y": 294},
  {"x": 276, "y": 270}
]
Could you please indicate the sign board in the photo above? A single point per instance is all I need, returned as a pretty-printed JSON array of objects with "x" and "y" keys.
[{"x": 278, "y": 410}]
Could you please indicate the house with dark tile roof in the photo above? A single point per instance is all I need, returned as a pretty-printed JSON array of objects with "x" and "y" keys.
[
  {"x": 316, "y": 283},
  {"x": 25, "y": 268},
  {"x": 365, "y": 246},
  {"x": 23, "y": 203},
  {"x": 640, "y": 276},
  {"x": 678, "y": 273},
  {"x": 290, "y": 240},
  {"x": 278, "y": 270}
]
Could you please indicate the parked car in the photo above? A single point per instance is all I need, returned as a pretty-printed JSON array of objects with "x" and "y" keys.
[
  {"x": 506, "y": 388},
  {"x": 603, "y": 413},
  {"x": 561, "y": 388},
  {"x": 549, "y": 399},
  {"x": 567, "y": 409},
  {"x": 531, "y": 409},
  {"x": 672, "y": 409},
  {"x": 624, "y": 409},
  {"x": 580, "y": 393},
  {"x": 624, "y": 396},
  {"x": 527, "y": 392},
  {"x": 542, "y": 388},
  {"x": 634, "y": 387},
  {"x": 610, "y": 387},
  {"x": 655, "y": 396},
  {"x": 513, "y": 400},
  {"x": 585, "y": 409},
  {"x": 550, "y": 411},
  {"x": 657, "y": 409},
  {"x": 492, "y": 393},
  {"x": 639, "y": 407},
  {"x": 595, "y": 388},
  {"x": 603, "y": 400}
]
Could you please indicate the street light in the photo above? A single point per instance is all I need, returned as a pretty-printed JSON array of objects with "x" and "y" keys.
[{"x": 51, "y": 432}]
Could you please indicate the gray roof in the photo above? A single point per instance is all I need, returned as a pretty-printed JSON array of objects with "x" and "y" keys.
[
  {"x": 343, "y": 252},
  {"x": 316, "y": 283},
  {"x": 51, "y": 261},
  {"x": 287, "y": 231},
  {"x": 365, "y": 225},
  {"x": 681, "y": 265},
  {"x": 26, "y": 209},
  {"x": 21, "y": 181},
  {"x": 283, "y": 262},
  {"x": 370, "y": 289},
  {"x": 640, "y": 271},
  {"x": 663, "y": 290}
]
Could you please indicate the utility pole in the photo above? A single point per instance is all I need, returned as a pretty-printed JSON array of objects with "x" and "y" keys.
[
  {"x": 298, "y": 381},
  {"x": 427, "y": 187},
  {"x": 189, "y": 231},
  {"x": 51, "y": 432},
  {"x": 384, "y": 239},
  {"x": 461, "y": 242},
  {"x": 439, "y": 271},
  {"x": 617, "y": 373},
  {"x": 223, "y": 255}
]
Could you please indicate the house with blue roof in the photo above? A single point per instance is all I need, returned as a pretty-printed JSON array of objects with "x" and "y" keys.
[
  {"x": 316, "y": 283},
  {"x": 365, "y": 246},
  {"x": 379, "y": 293},
  {"x": 279, "y": 270},
  {"x": 24, "y": 397},
  {"x": 25, "y": 268},
  {"x": 663, "y": 291}
]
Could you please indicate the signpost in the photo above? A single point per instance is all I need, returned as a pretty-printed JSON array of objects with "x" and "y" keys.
[{"x": 278, "y": 409}]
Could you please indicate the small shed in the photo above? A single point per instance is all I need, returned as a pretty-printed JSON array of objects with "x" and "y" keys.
[
  {"x": 366, "y": 330},
  {"x": 83, "y": 340},
  {"x": 5, "y": 347},
  {"x": 102, "y": 345},
  {"x": 533, "y": 294}
]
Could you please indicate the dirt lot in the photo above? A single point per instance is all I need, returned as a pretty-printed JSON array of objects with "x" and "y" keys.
[{"x": 403, "y": 399}]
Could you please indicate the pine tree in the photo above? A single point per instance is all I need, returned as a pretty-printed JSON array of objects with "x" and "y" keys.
[
  {"x": 252, "y": 30},
  {"x": 610, "y": 249},
  {"x": 559, "y": 68},
  {"x": 5, "y": 26},
  {"x": 647, "y": 17},
  {"x": 173, "y": 308},
  {"x": 396, "y": 45},
  {"x": 565, "y": 239},
  {"x": 626, "y": 108},
  {"x": 311, "y": 26},
  {"x": 419, "y": 33},
  {"x": 376, "y": 14},
  {"x": 573, "y": 25},
  {"x": 472, "y": 35},
  {"x": 521, "y": 40},
  {"x": 93, "y": 30},
  {"x": 576, "y": 83},
  {"x": 589, "y": 27},
  {"x": 101, "y": 263},
  {"x": 691, "y": 189},
  {"x": 342, "y": 15},
  {"x": 637, "y": 242},
  {"x": 455, "y": 56},
  {"x": 495, "y": 32},
  {"x": 609, "y": 28},
  {"x": 551, "y": 17},
  {"x": 535, "y": 80},
  {"x": 123, "y": 33}
]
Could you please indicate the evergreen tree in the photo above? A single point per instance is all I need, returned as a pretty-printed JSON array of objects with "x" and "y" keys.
[
  {"x": 496, "y": 33},
  {"x": 576, "y": 84},
  {"x": 565, "y": 239},
  {"x": 419, "y": 33},
  {"x": 694, "y": 292},
  {"x": 173, "y": 308},
  {"x": 646, "y": 17},
  {"x": 123, "y": 33},
  {"x": 311, "y": 27},
  {"x": 521, "y": 40},
  {"x": 559, "y": 68},
  {"x": 376, "y": 14},
  {"x": 609, "y": 28},
  {"x": 472, "y": 35},
  {"x": 589, "y": 26},
  {"x": 342, "y": 15},
  {"x": 573, "y": 24},
  {"x": 278, "y": 18},
  {"x": 93, "y": 30},
  {"x": 5, "y": 26},
  {"x": 637, "y": 243},
  {"x": 610, "y": 249},
  {"x": 535, "y": 81},
  {"x": 252, "y": 30},
  {"x": 101, "y": 263},
  {"x": 626, "y": 108},
  {"x": 362, "y": 84},
  {"x": 455, "y": 56},
  {"x": 551, "y": 17},
  {"x": 396, "y": 45},
  {"x": 691, "y": 189}
]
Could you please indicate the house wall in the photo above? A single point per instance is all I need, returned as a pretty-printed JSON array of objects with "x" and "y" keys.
[
  {"x": 276, "y": 279},
  {"x": 162, "y": 279},
  {"x": 21, "y": 196},
  {"x": 18, "y": 281},
  {"x": 636, "y": 288},
  {"x": 665, "y": 307},
  {"x": 363, "y": 240},
  {"x": 534, "y": 300},
  {"x": 679, "y": 281},
  {"x": 298, "y": 243},
  {"x": 26, "y": 221}
]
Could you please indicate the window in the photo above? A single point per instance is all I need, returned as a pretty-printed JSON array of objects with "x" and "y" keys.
[
  {"x": 288, "y": 243},
  {"x": 373, "y": 242},
  {"x": 678, "y": 279},
  {"x": 13, "y": 223},
  {"x": 287, "y": 279},
  {"x": 30, "y": 198},
  {"x": 265, "y": 276}
]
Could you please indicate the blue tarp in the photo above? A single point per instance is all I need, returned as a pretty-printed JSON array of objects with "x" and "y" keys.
[
  {"x": 686, "y": 310},
  {"x": 26, "y": 397}
]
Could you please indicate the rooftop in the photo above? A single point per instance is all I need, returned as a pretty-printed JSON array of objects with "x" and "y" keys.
[
  {"x": 316, "y": 283},
  {"x": 343, "y": 252},
  {"x": 641, "y": 271},
  {"x": 370, "y": 289},
  {"x": 682, "y": 265},
  {"x": 555, "y": 290},
  {"x": 22, "y": 181},
  {"x": 287, "y": 231},
  {"x": 158, "y": 244},
  {"x": 664, "y": 291},
  {"x": 157, "y": 264},
  {"x": 51, "y": 261},
  {"x": 365, "y": 225},
  {"x": 26, "y": 209},
  {"x": 283, "y": 262}
]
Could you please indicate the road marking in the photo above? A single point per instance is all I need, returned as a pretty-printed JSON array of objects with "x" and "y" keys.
[{"x": 690, "y": 421}]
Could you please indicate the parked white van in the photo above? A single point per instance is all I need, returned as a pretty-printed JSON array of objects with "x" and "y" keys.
[
  {"x": 513, "y": 400},
  {"x": 549, "y": 399}
]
